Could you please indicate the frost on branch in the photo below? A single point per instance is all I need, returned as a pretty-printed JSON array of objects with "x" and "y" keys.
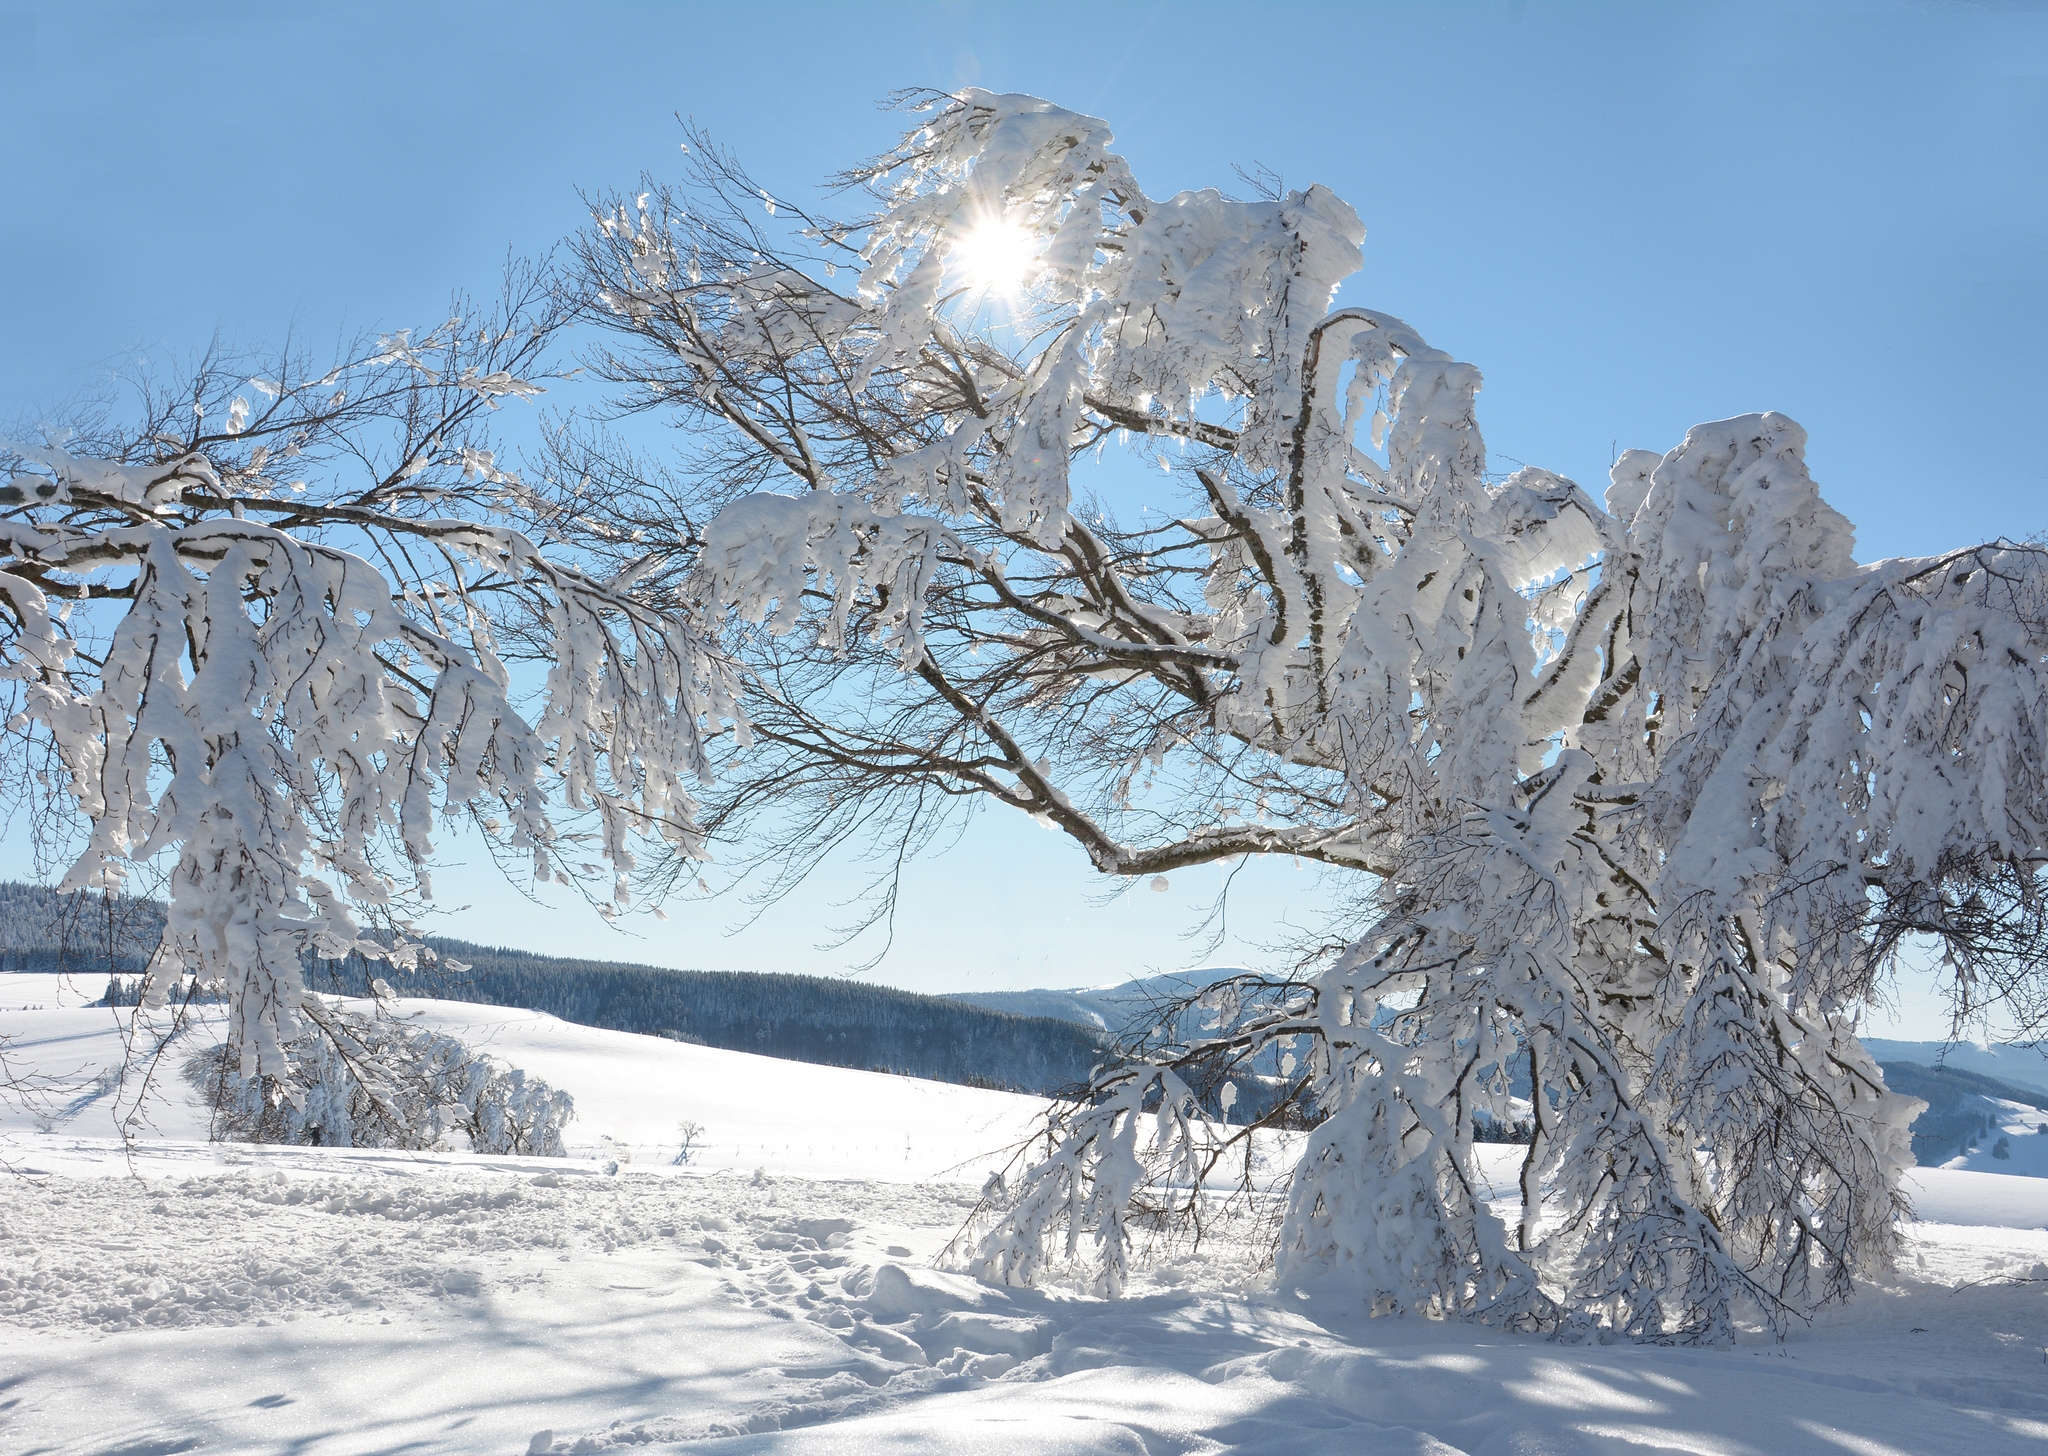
[
  {"x": 291, "y": 639},
  {"x": 765, "y": 549},
  {"x": 1646, "y": 792}
]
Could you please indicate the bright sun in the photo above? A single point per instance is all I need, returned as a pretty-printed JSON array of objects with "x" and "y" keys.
[{"x": 997, "y": 257}]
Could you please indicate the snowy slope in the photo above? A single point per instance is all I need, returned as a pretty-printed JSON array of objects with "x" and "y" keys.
[
  {"x": 2024, "y": 1132},
  {"x": 34, "y": 991},
  {"x": 632, "y": 1094},
  {"x": 185, "y": 1297}
]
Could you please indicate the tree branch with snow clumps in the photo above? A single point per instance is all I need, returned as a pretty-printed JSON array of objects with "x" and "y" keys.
[
  {"x": 268, "y": 631},
  {"x": 1644, "y": 793}
]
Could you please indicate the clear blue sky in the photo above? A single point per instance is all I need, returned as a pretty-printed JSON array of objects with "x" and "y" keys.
[{"x": 1632, "y": 218}]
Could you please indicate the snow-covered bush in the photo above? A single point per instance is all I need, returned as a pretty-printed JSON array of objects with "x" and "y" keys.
[
  {"x": 368, "y": 1081},
  {"x": 1643, "y": 792}
]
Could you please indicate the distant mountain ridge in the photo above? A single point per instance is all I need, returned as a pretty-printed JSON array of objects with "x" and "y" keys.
[
  {"x": 2021, "y": 1066},
  {"x": 1107, "y": 1009}
]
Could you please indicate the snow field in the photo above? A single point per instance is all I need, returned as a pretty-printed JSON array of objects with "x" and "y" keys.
[
  {"x": 368, "y": 1303},
  {"x": 632, "y": 1092},
  {"x": 180, "y": 1296}
]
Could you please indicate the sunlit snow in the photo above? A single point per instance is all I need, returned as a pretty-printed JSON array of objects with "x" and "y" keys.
[
  {"x": 777, "y": 1291},
  {"x": 996, "y": 257}
]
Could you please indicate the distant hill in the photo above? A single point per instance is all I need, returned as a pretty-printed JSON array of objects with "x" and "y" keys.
[
  {"x": 2020, "y": 1066},
  {"x": 819, "y": 1019},
  {"x": 1962, "y": 1107}
]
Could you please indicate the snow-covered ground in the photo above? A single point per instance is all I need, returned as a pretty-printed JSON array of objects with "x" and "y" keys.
[{"x": 774, "y": 1294}]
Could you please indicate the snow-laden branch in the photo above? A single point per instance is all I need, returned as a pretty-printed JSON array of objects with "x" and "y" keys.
[{"x": 275, "y": 690}]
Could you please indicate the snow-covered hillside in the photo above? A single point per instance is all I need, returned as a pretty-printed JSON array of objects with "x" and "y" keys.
[
  {"x": 774, "y": 1294},
  {"x": 830, "y": 1020},
  {"x": 633, "y": 1093},
  {"x": 2017, "y": 1142}
]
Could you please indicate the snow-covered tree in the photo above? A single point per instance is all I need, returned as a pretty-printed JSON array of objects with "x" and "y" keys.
[
  {"x": 1647, "y": 790},
  {"x": 264, "y": 628}
]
